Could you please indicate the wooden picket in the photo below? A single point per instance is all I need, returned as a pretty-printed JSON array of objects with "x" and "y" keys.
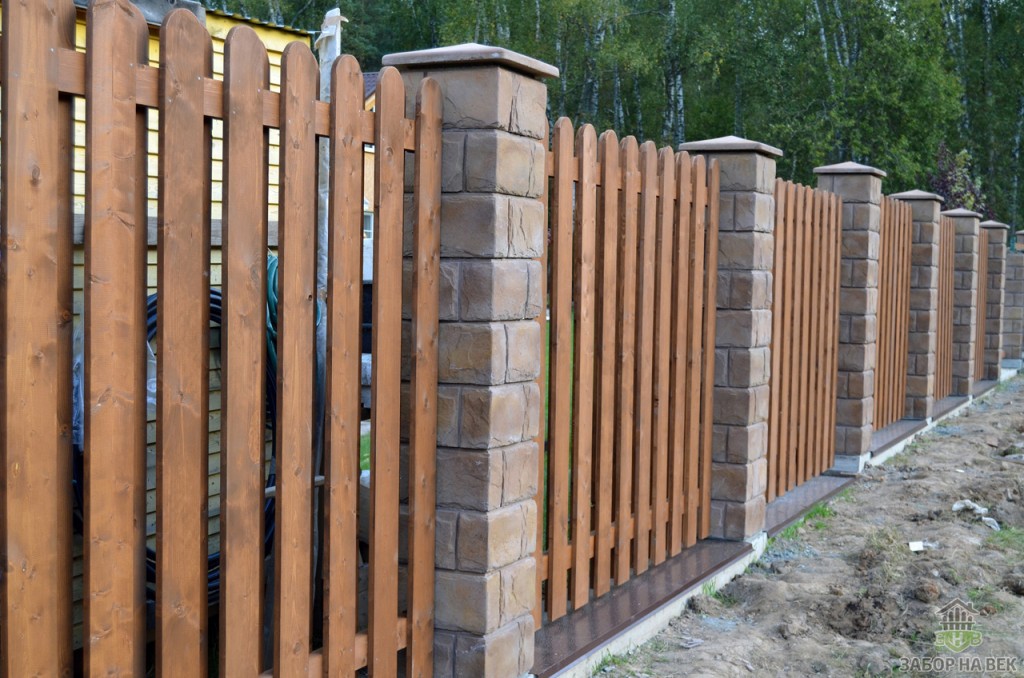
[
  {"x": 944, "y": 330},
  {"x": 805, "y": 336},
  {"x": 893, "y": 312},
  {"x": 632, "y": 259},
  {"x": 981, "y": 306},
  {"x": 42, "y": 72}
]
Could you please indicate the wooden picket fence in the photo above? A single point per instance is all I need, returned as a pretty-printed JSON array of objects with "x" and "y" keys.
[
  {"x": 981, "y": 306},
  {"x": 893, "y": 331},
  {"x": 632, "y": 280},
  {"x": 944, "y": 330},
  {"x": 41, "y": 75},
  {"x": 805, "y": 335}
]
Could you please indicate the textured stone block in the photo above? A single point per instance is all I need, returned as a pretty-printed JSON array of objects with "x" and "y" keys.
[
  {"x": 499, "y": 415},
  {"x": 472, "y": 353},
  {"x": 492, "y": 539},
  {"x": 521, "y": 170},
  {"x": 500, "y": 289},
  {"x": 508, "y": 651}
]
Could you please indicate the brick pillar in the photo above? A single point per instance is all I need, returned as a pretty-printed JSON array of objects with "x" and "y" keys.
[
  {"x": 924, "y": 302},
  {"x": 492, "y": 232},
  {"x": 965, "y": 297},
  {"x": 995, "y": 299},
  {"x": 1013, "y": 313},
  {"x": 861, "y": 189},
  {"x": 744, "y": 333}
]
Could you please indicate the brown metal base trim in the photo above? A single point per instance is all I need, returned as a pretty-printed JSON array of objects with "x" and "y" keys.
[
  {"x": 790, "y": 507},
  {"x": 560, "y": 643}
]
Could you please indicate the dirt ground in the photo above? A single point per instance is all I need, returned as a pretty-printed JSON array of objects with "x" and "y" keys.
[{"x": 842, "y": 594}]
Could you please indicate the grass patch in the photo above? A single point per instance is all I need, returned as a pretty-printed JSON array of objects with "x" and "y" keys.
[
  {"x": 985, "y": 600},
  {"x": 1008, "y": 539},
  {"x": 364, "y": 452},
  {"x": 610, "y": 661}
]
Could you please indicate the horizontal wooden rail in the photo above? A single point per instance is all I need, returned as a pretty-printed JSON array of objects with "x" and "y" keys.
[
  {"x": 316, "y": 658},
  {"x": 71, "y": 80}
]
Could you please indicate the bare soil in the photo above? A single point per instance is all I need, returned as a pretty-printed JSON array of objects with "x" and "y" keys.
[{"x": 842, "y": 594}]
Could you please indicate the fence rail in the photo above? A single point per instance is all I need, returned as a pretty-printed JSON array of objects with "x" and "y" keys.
[
  {"x": 42, "y": 73},
  {"x": 893, "y": 312},
  {"x": 944, "y": 332},
  {"x": 632, "y": 267},
  {"x": 805, "y": 335}
]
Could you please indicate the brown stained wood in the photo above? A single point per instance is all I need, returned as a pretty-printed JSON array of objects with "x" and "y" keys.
[
  {"x": 680, "y": 429},
  {"x": 662, "y": 355},
  {"x": 361, "y": 648},
  {"x": 386, "y": 378},
  {"x": 559, "y": 412},
  {"x": 786, "y": 410},
  {"x": 344, "y": 297},
  {"x": 775, "y": 404},
  {"x": 71, "y": 80},
  {"x": 605, "y": 358},
  {"x": 246, "y": 74},
  {"x": 426, "y": 276},
  {"x": 542, "y": 430},
  {"x": 626, "y": 358},
  {"x": 645, "y": 347},
  {"x": 814, "y": 411},
  {"x": 343, "y": 365},
  {"x": 798, "y": 397},
  {"x": 115, "y": 335},
  {"x": 35, "y": 344},
  {"x": 806, "y": 324},
  {"x": 710, "y": 273},
  {"x": 183, "y": 321},
  {"x": 696, "y": 445},
  {"x": 835, "y": 241},
  {"x": 584, "y": 254},
  {"x": 296, "y": 348}
]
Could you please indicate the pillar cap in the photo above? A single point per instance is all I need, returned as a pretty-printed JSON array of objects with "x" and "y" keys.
[
  {"x": 961, "y": 212},
  {"x": 471, "y": 54},
  {"x": 995, "y": 224},
  {"x": 731, "y": 144},
  {"x": 917, "y": 195},
  {"x": 850, "y": 168}
]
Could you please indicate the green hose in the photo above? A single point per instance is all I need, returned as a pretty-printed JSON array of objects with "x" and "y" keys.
[{"x": 272, "y": 310}]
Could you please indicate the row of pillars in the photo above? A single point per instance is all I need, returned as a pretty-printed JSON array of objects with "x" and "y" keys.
[{"x": 493, "y": 235}]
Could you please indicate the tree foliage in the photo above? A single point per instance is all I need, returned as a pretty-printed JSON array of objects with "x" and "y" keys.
[{"x": 883, "y": 82}]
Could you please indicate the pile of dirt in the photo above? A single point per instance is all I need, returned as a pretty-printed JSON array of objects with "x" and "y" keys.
[{"x": 845, "y": 595}]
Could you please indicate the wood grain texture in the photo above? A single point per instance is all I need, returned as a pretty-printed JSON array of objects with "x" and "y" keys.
[
  {"x": 35, "y": 344},
  {"x": 386, "y": 377},
  {"x": 244, "y": 354},
  {"x": 644, "y": 398},
  {"x": 542, "y": 387},
  {"x": 709, "y": 173},
  {"x": 605, "y": 358},
  {"x": 584, "y": 269},
  {"x": 662, "y": 352},
  {"x": 559, "y": 406},
  {"x": 681, "y": 304},
  {"x": 426, "y": 281},
  {"x": 183, "y": 322},
  {"x": 115, "y": 335},
  {"x": 296, "y": 349},
  {"x": 625, "y": 402},
  {"x": 344, "y": 286}
]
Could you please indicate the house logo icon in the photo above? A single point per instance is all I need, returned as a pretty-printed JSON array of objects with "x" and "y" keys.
[{"x": 956, "y": 628}]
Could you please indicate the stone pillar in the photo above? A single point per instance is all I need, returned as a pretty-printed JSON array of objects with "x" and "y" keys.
[
  {"x": 965, "y": 297},
  {"x": 995, "y": 297},
  {"x": 861, "y": 189},
  {"x": 924, "y": 302},
  {"x": 492, "y": 232},
  {"x": 1013, "y": 305},
  {"x": 744, "y": 333}
]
